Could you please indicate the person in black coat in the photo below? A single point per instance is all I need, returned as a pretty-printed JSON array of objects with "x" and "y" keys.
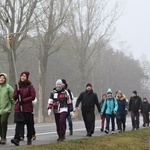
[
  {"x": 134, "y": 108},
  {"x": 145, "y": 110},
  {"x": 88, "y": 100}
]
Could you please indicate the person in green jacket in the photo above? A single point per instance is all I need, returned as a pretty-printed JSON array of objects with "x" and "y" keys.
[{"x": 6, "y": 103}]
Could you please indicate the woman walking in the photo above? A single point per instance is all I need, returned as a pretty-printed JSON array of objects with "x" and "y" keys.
[
  {"x": 24, "y": 116},
  {"x": 6, "y": 103}
]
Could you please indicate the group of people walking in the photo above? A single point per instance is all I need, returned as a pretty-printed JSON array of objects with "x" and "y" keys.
[{"x": 61, "y": 101}]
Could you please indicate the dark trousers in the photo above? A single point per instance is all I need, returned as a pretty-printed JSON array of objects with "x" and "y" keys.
[
  {"x": 135, "y": 119},
  {"x": 89, "y": 121},
  {"x": 22, "y": 130},
  {"x": 103, "y": 120},
  {"x": 60, "y": 120},
  {"x": 145, "y": 118},
  {"x": 3, "y": 124},
  {"x": 70, "y": 124},
  {"x": 19, "y": 126},
  {"x": 121, "y": 122},
  {"x": 112, "y": 117}
]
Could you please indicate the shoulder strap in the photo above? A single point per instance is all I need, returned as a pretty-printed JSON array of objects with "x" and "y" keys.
[{"x": 70, "y": 94}]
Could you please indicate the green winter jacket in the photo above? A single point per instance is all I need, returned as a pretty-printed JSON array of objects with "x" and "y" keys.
[{"x": 6, "y": 97}]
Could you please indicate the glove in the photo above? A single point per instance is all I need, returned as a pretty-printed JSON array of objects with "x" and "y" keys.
[
  {"x": 72, "y": 113},
  {"x": 21, "y": 102},
  {"x": 49, "y": 111},
  {"x": 114, "y": 112}
]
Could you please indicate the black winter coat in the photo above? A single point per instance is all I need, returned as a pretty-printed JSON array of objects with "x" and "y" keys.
[
  {"x": 145, "y": 107},
  {"x": 135, "y": 103},
  {"x": 88, "y": 101}
]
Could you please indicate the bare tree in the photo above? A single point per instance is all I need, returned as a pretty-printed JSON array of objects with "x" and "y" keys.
[
  {"x": 15, "y": 16},
  {"x": 91, "y": 23},
  {"x": 49, "y": 31}
]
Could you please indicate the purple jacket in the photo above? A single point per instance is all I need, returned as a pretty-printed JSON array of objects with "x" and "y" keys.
[{"x": 28, "y": 94}]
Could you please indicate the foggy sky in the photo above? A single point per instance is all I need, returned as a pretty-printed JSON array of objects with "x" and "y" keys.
[{"x": 133, "y": 28}]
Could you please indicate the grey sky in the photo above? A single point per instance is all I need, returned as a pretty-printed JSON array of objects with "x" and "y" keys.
[{"x": 133, "y": 28}]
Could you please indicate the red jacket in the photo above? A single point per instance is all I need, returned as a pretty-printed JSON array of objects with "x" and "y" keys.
[{"x": 28, "y": 94}]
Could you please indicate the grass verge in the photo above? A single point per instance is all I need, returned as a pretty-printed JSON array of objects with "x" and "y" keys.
[{"x": 131, "y": 140}]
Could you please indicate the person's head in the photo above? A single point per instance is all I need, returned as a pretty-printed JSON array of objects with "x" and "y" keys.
[
  {"x": 144, "y": 99},
  {"x": 109, "y": 93},
  {"x": 88, "y": 87},
  {"x": 119, "y": 94},
  {"x": 3, "y": 78},
  {"x": 64, "y": 83},
  {"x": 104, "y": 96},
  {"x": 24, "y": 76},
  {"x": 59, "y": 84},
  {"x": 134, "y": 93}
]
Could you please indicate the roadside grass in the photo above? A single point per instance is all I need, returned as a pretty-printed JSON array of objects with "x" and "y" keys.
[{"x": 130, "y": 140}]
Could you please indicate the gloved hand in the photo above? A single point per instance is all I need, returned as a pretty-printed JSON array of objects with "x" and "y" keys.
[
  {"x": 72, "y": 113},
  {"x": 49, "y": 111},
  {"x": 114, "y": 113},
  {"x": 21, "y": 102}
]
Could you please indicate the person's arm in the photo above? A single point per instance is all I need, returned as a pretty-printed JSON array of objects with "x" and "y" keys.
[
  {"x": 79, "y": 99},
  {"x": 97, "y": 103},
  {"x": 10, "y": 95},
  {"x": 116, "y": 105}
]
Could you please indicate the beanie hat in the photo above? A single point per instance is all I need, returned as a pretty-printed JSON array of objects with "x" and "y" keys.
[
  {"x": 109, "y": 91},
  {"x": 119, "y": 92},
  {"x": 59, "y": 82},
  {"x": 135, "y": 92},
  {"x": 26, "y": 73},
  {"x": 88, "y": 85}
]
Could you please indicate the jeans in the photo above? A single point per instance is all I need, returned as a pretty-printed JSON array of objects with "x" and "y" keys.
[
  {"x": 70, "y": 123},
  {"x": 112, "y": 117}
]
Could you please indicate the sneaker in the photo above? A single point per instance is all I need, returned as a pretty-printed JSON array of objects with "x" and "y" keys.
[
  {"x": 102, "y": 129},
  {"x": 112, "y": 132},
  {"x": 21, "y": 138},
  {"x": 15, "y": 141},
  {"x": 33, "y": 137},
  {"x": 106, "y": 131},
  {"x": 3, "y": 141},
  {"x": 119, "y": 131},
  {"x": 71, "y": 133}
]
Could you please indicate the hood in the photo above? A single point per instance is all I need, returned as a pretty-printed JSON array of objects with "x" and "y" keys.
[
  {"x": 5, "y": 75},
  {"x": 121, "y": 98}
]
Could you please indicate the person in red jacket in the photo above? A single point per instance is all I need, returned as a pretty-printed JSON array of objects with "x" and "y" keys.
[{"x": 23, "y": 108}]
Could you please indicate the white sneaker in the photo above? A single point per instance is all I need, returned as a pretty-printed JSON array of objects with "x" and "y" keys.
[{"x": 112, "y": 132}]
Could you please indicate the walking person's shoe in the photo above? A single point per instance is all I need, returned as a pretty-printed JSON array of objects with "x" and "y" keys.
[
  {"x": 3, "y": 141},
  {"x": 15, "y": 141},
  {"x": 71, "y": 133},
  {"x": 21, "y": 138},
  {"x": 106, "y": 131},
  {"x": 102, "y": 129},
  {"x": 33, "y": 137},
  {"x": 113, "y": 132},
  {"x": 29, "y": 142}
]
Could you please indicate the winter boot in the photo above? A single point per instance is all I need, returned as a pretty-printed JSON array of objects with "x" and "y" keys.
[
  {"x": 15, "y": 141},
  {"x": 3, "y": 141},
  {"x": 29, "y": 141}
]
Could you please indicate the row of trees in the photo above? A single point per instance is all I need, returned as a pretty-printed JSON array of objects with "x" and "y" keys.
[{"x": 66, "y": 39}]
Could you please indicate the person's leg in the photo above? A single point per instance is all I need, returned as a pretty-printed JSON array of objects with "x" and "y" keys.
[
  {"x": 137, "y": 120},
  {"x": 33, "y": 128},
  {"x": 84, "y": 115},
  {"x": 113, "y": 122},
  {"x": 133, "y": 120},
  {"x": 29, "y": 122},
  {"x": 147, "y": 119},
  {"x": 4, "y": 123},
  {"x": 124, "y": 122},
  {"x": 70, "y": 125},
  {"x": 102, "y": 123},
  {"x": 107, "y": 123},
  {"x": 62, "y": 124},
  {"x": 22, "y": 131}
]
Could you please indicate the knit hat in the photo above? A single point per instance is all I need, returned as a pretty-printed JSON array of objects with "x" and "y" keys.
[
  {"x": 88, "y": 85},
  {"x": 135, "y": 92},
  {"x": 109, "y": 91},
  {"x": 119, "y": 92},
  {"x": 59, "y": 82},
  {"x": 26, "y": 73}
]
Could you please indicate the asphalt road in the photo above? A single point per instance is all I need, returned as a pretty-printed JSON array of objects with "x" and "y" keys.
[{"x": 46, "y": 133}]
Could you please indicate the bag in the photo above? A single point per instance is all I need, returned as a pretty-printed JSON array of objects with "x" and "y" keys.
[{"x": 19, "y": 117}]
